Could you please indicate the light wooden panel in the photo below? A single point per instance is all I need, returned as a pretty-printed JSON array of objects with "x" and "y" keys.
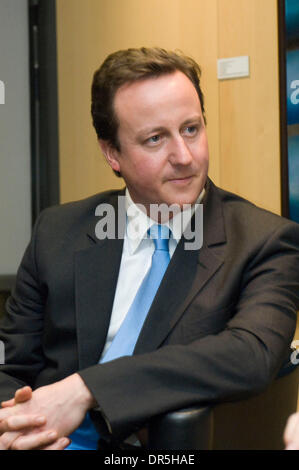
[
  {"x": 249, "y": 107},
  {"x": 89, "y": 30}
]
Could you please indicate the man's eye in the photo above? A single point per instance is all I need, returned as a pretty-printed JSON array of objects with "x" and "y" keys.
[
  {"x": 154, "y": 139},
  {"x": 191, "y": 130}
]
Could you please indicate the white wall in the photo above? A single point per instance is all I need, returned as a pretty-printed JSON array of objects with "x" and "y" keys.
[{"x": 15, "y": 183}]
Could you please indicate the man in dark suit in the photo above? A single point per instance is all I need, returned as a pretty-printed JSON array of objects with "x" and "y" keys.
[{"x": 220, "y": 325}]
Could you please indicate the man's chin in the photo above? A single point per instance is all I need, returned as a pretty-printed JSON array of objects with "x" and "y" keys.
[{"x": 183, "y": 194}]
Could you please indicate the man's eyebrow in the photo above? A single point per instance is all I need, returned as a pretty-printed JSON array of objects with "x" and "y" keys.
[{"x": 196, "y": 118}]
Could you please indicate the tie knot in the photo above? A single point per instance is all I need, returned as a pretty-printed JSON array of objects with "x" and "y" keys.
[{"x": 160, "y": 234}]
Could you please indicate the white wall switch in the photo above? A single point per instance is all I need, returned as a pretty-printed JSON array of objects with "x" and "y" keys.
[{"x": 233, "y": 67}]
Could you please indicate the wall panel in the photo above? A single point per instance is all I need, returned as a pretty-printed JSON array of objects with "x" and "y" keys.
[
  {"x": 249, "y": 107},
  {"x": 15, "y": 165}
]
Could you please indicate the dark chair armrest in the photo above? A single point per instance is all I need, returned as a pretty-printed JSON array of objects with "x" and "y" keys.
[
  {"x": 242, "y": 424},
  {"x": 188, "y": 428}
]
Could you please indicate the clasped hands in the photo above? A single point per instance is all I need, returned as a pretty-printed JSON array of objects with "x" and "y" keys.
[{"x": 42, "y": 419}]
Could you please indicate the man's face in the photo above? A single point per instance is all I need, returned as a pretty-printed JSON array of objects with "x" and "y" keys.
[{"x": 163, "y": 155}]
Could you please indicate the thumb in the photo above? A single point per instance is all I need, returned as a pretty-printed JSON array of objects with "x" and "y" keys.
[{"x": 23, "y": 394}]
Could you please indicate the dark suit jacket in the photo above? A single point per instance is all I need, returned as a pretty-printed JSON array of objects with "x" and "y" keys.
[{"x": 219, "y": 328}]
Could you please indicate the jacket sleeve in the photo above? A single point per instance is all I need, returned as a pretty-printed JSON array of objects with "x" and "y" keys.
[{"x": 21, "y": 328}]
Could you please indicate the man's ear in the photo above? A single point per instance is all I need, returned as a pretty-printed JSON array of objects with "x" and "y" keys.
[{"x": 111, "y": 154}]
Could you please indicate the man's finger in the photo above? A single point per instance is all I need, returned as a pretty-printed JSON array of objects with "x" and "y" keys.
[
  {"x": 20, "y": 422},
  {"x": 291, "y": 434},
  {"x": 290, "y": 428},
  {"x": 60, "y": 444},
  {"x": 7, "y": 403},
  {"x": 23, "y": 394},
  {"x": 7, "y": 439},
  {"x": 5, "y": 413},
  {"x": 34, "y": 441}
]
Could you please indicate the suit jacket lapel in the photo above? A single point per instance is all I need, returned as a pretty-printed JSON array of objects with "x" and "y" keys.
[
  {"x": 186, "y": 275},
  {"x": 96, "y": 273}
]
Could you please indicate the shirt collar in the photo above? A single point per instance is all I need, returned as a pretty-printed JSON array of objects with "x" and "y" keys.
[{"x": 138, "y": 222}]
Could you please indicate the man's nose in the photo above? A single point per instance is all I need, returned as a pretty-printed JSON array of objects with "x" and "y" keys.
[{"x": 179, "y": 152}]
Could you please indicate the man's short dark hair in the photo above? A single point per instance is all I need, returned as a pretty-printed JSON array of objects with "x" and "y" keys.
[{"x": 128, "y": 66}]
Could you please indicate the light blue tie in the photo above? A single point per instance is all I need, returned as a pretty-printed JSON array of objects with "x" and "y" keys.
[
  {"x": 123, "y": 344},
  {"x": 124, "y": 341}
]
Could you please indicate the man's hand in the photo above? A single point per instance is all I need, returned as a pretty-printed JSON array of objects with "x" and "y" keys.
[
  {"x": 23, "y": 423},
  {"x": 63, "y": 404},
  {"x": 21, "y": 440},
  {"x": 291, "y": 433}
]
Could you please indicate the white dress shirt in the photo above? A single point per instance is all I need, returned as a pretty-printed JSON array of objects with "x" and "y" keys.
[{"x": 136, "y": 257}]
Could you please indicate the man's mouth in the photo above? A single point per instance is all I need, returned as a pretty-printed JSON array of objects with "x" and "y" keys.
[{"x": 181, "y": 180}]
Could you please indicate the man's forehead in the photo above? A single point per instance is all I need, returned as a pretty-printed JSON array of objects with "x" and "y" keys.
[
  {"x": 167, "y": 91},
  {"x": 170, "y": 79}
]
